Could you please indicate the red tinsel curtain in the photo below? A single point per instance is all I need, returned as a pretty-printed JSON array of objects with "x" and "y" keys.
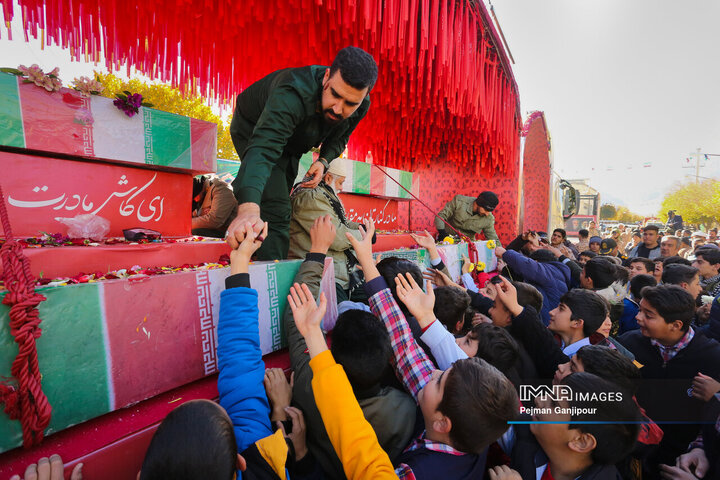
[{"x": 443, "y": 91}]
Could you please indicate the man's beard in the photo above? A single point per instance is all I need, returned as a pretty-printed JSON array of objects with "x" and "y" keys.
[{"x": 330, "y": 118}]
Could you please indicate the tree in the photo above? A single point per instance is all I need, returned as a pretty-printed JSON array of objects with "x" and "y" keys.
[
  {"x": 624, "y": 215},
  {"x": 697, "y": 203},
  {"x": 164, "y": 97},
  {"x": 607, "y": 211}
]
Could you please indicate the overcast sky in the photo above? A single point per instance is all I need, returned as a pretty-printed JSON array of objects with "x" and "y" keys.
[{"x": 622, "y": 84}]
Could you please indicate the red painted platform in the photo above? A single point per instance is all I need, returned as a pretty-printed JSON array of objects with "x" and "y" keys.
[
  {"x": 54, "y": 262},
  {"x": 113, "y": 446}
]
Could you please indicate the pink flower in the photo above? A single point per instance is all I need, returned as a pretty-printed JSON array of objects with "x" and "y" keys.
[{"x": 87, "y": 86}]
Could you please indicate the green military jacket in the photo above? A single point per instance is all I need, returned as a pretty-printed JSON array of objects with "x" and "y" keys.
[
  {"x": 276, "y": 120},
  {"x": 307, "y": 205},
  {"x": 459, "y": 213}
]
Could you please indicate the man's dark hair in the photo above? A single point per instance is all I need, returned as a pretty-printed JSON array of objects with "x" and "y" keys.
[
  {"x": 686, "y": 241},
  {"x": 601, "y": 272},
  {"x": 497, "y": 347},
  {"x": 479, "y": 401},
  {"x": 608, "y": 363},
  {"x": 649, "y": 264},
  {"x": 196, "y": 440},
  {"x": 639, "y": 282},
  {"x": 528, "y": 295},
  {"x": 587, "y": 306},
  {"x": 583, "y": 233},
  {"x": 709, "y": 254},
  {"x": 615, "y": 425},
  {"x": 451, "y": 305},
  {"x": 390, "y": 267},
  {"x": 360, "y": 343},
  {"x": 588, "y": 253},
  {"x": 672, "y": 303},
  {"x": 562, "y": 232},
  {"x": 675, "y": 260},
  {"x": 198, "y": 183},
  {"x": 543, "y": 256},
  {"x": 651, "y": 227},
  {"x": 675, "y": 274},
  {"x": 357, "y": 67}
]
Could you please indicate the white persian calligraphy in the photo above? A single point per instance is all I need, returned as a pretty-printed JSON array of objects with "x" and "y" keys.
[{"x": 127, "y": 207}]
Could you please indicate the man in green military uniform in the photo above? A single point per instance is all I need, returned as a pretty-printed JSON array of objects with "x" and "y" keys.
[
  {"x": 279, "y": 118},
  {"x": 469, "y": 215}
]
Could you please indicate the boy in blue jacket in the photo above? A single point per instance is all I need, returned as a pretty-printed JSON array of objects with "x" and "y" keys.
[{"x": 201, "y": 439}]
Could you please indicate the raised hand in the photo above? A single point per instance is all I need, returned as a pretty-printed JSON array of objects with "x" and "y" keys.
[
  {"x": 322, "y": 234},
  {"x": 420, "y": 304},
  {"x": 439, "y": 279},
  {"x": 363, "y": 248},
  {"x": 308, "y": 315},
  {"x": 507, "y": 294},
  {"x": 425, "y": 241}
]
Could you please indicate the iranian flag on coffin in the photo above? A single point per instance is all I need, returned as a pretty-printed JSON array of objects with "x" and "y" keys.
[
  {"x": 115, "y": 343},
  {"x": 67, "y": 123}
]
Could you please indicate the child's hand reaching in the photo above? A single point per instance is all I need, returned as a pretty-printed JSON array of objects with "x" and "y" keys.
[
  {"x": 419, "y": 303},
  {"x": 308, "y": 315},
  {"x": 363, "y": 249},
  {"x": 252, "y": 239},
  {"x": 507, "y": 294}
]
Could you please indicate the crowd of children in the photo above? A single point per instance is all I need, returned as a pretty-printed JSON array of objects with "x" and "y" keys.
[{"x": 447, "y": 381}]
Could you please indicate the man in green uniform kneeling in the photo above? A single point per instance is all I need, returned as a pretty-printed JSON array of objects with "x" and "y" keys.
[
  {"x": 469, "y": 215},
  {"x": 279, "y": 118}
]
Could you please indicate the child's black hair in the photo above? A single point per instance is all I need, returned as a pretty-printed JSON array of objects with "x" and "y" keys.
[
  {"x": 587, "y": 306},
  {"x": 360, "y": 343},
  {"x": 196, "y": 440}
]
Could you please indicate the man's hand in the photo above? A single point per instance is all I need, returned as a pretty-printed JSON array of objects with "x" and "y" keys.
[
  {"x": 420, "y": 304},
  {"x": 503, "y": 472},
  {"x": 427, "y": 242},
  {"x": 507, "y": 294},
  {"x": 499, "y": 252},
  {"x": 704, "y": 387},
  {"x": 317, "y": 169},
  {"x": 322, "y": 234},
  {"x": 249, "y": 236},
  {"x": 363, "y": 249},
  {"x": 695, "y": 462},
  {"x": 297, "y": 436},
  {"x": 675, "y": 473},
  {"x": 247, "y": 212},
  {"x": 307, "y": 316},
  {"x": 439, "y": 278},
  {"x": 279, "y": 392},
  {"x": 49, "y": 469}
]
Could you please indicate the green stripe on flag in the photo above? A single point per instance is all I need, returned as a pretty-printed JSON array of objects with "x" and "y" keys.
[
  {"x": 405, "y": 181},
  {"x": 11, "y": 125},
  {"x": 71, "y": 355},
  {"x": 361, "y": 177},
  {"x": 280, "y": 277},
  {"x": 169, "y": 136}
]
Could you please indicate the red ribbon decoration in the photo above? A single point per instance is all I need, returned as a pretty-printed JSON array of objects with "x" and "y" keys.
[{"x": 445, "y": 91}]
